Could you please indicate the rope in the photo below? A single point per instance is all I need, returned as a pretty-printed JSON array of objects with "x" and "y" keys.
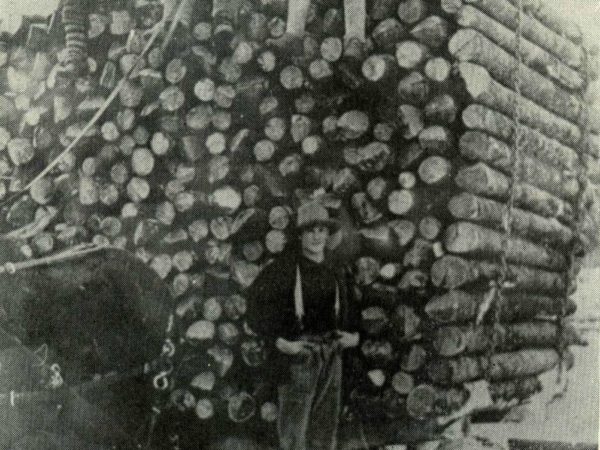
[{"x": 72, "y": 253}]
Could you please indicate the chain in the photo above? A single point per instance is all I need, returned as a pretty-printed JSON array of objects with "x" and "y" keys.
[{"x": 494, "y": 298}]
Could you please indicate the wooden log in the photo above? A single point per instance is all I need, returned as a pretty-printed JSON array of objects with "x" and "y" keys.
[
  {"x": 20, "y": 150},
  {"x": 451, "y": 272},
  {"x": 420, "y": 254},
  {"x": 430, "y": 227},
  {"x": 441, "y": 109},
  {"x": 405, "y": 231},
  {"x": 374, "y": 320},
  {"x": 480, "y": 179},
  {"x": 524, "y": 223},
  {"x": 138, "y": 189},
  {"x": 377, "y": 188},
  {"x": 501, "y": 366},
  {"x": 410, "y": 119},
  {"x": 405, "y": 323},
  {"x": 320, "y": 70},
  {"x": 412, "y": 11},
  {"x": 390, "y": 271},
  {"x": 433, "y": 31},
  {"x": 470, "y": 339},
  {"x": 533, "y": 142},
  {"x": 414, "y": 89},
  {"x": 533, "y": 30},
  {"x": 387, "y": 33},
  {"x": 402, "y": 383},
  {"x": 414, "y": 282},
  {"x": 365, "y": 210},
  {"x": 401, "y": 201},
  {"x": 437, "y": 139},
  {"x": 414, "y": 360},
  {"x": 469, "y": 45},
  {"x": 434, "y": 170},
  {"x": 553, "y": 20},
  {"x": 407, "y": 180},
  {"x": 519, "y": 389},
  {"x": 438, "y": 70},
  {"x": 331, "y": 49},
  {"x": 381, "y": 69},
  {"x": 291, "y": 77},
  {"x": 462, "y": 306},
  {"x": 384, "y": 131},
  {"x": 533, "y": 55},
  {"x": 370, "y": 158},
  {"x": 411, "y": 54},
  {"x": 485, "y": 90},
  {"x": 377, "y": 352},
  {"x": 482, "y": 147},
  {"x": 426, "y": 401}
]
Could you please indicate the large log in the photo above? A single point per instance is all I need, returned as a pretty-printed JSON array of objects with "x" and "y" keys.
[
  {"x": 428, "y": 401},
  {"x": 501, "y": 366},
  {"x": 532, "y": 54},
  {"x": 519, "y": 389},
  {"x": 480, "y": 179},
  {"x": 484, "y": 89},
  {"x": 481, "y": 147},
  {"x": 461, "y": 306},
  {"x": 466, "y": 238},
  {"x": 532, "y": 29},
  {"x": 552, "y": 19},
  {"x": 534, "y": 143},
  {"x": 524, "y": 223},
  {"x": 470, "y": 339},
  {"x": 470, "y": 45},
  {"x": 432, "y": 31},
  {"x": 451, "y": 272}
]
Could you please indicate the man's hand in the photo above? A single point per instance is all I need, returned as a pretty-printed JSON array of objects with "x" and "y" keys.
[
  {"x": 348, "y": 340},
  {"x": 292, "y": 348}
]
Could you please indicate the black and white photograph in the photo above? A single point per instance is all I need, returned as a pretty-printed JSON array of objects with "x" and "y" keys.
[{"x": 299, "y": 224}]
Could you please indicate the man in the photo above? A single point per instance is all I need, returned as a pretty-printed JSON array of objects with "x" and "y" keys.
[{"x": 301, "y": 305}]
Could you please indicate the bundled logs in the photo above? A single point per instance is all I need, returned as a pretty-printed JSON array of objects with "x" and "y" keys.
[{"x": 219, "y": 133}]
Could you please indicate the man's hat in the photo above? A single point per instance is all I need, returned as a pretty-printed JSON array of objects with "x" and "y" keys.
[{"x": 311, "y": 214}]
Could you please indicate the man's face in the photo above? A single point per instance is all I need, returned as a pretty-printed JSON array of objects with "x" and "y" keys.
[{"x": 314, "y": 239}]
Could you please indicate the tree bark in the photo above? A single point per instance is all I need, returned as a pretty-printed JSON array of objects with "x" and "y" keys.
[
  {"x": 505, "y": 13},
  {"x": 414, "y": 89},
  {"x": 432, "y": 31},
  {"x": 428, "y": 401},
  {"x": 480, "y": 179},
  {"x": 452, "y": 341},
  {"x": 459, "y": 306},
  {"x": 411, "y": 54},
  {"x": 524, "y": 223},
  {"x": 451, "y": 272},
  {"x": 478, "y": 117},
  {"x": 465, "y": 238},
  {"x": 485, "y": 90},
  {"x": 553, "y": 20},
  {"x": 501, "y": 366},
  {"x": 533, "y": 55},
  {"x": 468, "y": 45},
  {"x": 412, "y": 11},
  {"x": 481, "y": 147}
]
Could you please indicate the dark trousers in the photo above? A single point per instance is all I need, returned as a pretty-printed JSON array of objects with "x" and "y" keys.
[{"x": 310, "y": 403}]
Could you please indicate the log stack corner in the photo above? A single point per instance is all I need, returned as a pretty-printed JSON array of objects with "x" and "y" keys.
[{"x": 214, "y": 140}]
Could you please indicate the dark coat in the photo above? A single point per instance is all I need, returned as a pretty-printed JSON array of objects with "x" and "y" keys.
[{"x": 271, "y": 311}]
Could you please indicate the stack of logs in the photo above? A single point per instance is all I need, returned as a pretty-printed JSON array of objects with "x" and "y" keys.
[{"x": 218, "y": 135}]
